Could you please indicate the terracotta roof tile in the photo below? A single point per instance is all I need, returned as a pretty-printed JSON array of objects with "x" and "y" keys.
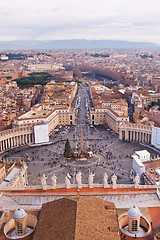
[{"x": 80, "y": 219}]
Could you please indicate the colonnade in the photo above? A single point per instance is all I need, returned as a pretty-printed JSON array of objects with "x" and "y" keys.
[
  {"x": 16, "y": 137},
  {"x": 139, "y": 136},
  {"x": 135, "y": 132}
]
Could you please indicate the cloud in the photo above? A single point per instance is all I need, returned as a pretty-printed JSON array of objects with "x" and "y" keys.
[{"x": 66, "y": 19}]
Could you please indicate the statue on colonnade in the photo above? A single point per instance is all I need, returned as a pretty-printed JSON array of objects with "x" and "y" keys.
[
  {"x": 44, "y": 182},
  {"x": 79, "y": 179},
  {"x": 54, "y": 181}
]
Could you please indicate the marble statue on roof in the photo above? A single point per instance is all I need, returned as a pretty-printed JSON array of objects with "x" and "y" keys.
[
  {"x": 22, "y": 180},
  {"x": 54, "y": 181},
  {"x": 136, "y": 180},
  {"x": 44, "y": 182},
  {"x": 114, "y": 181},
  {"x": 105, "y": 180},
  {"x": 79, "y": 179},
  {"x": 68, "y": 181},
  {"x": 90, "y": 180}
]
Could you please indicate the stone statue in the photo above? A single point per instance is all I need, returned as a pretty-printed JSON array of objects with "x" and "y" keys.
[
  {"x": 114, "y": 180},
  {"x": 43, "y": 182},
  {"x": 105, "y": 180},
  {"x": 136, "y": 180},
  {"x": 11, "y": 184},
  {"x": 19, "y": 162},
  {"x": 27, "y": 157},
  {"x": 23, "y": 172},
  {"x": 24, "y": 166},
  {"x": 68, "y": 181},
  {"x": 22, "y": 180},
  {"x": 90, "y": 180},
  {"x": 79, "y": 179},
  {"x": 54, "y": 181}
]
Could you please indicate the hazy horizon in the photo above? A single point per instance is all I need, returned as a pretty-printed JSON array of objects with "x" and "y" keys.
[{"x": 75, "y": 44}]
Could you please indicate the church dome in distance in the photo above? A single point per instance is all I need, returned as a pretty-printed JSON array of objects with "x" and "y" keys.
[
  {"x": 19, "y": 214},
  {"x": 134, "y": 212}
]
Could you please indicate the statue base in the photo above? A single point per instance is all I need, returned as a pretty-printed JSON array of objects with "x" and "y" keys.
[{"x": 81, "y": 159}]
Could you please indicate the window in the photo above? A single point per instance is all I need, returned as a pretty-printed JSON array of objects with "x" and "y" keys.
[
  {"x": 19, "y": 228},
  {"x": 134, "y": 225}
]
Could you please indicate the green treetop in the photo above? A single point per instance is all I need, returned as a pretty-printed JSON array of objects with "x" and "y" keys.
[{"x": 67, "y": 150}]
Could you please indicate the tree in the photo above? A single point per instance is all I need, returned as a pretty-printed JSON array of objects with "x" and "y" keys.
[{"x": 67, "y": 150}]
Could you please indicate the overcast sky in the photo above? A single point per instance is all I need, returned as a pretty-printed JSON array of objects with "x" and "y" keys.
[{"x": 133, "y": 20}]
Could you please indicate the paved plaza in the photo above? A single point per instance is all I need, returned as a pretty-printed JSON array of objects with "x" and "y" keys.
[
  {"x": 45, "y": 159},
  {"x": 99, "y": 139}
]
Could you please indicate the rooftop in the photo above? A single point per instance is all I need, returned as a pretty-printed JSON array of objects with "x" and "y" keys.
[{"x": 79, "y": 219}]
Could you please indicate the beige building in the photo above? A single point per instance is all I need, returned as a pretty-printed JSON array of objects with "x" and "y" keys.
[
  {"x": 109, "y": 108},
  {"x": 143, "y": 100},
  {"x": 154, "y": 115},
  {"x": 53, "y": 116},
  {"x": 22, "y": 132},
  {"x": 107, "y": 116}
]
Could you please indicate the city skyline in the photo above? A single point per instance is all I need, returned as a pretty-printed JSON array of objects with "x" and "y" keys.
[{"x": 92, "y": 20}]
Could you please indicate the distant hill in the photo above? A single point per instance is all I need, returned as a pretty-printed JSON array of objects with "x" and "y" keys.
[{"x": 75, "y": 44}]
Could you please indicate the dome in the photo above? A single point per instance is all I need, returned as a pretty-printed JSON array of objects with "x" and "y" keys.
[
  {"x": 134, "y": 212},
  {"x": 19, "y": 214}
]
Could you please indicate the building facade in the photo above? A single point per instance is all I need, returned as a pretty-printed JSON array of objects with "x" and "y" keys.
[
  {"x": 107, "y": 116},
  {"x": 45, "y": 114},
  {"x": 135, "y": 132},
  {"x": 154, "y": 115}
]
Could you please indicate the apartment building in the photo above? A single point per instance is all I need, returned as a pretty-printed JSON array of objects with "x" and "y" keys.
[
  {"x": 108, "y": 108},
  {"x": 154, "y": 115}
]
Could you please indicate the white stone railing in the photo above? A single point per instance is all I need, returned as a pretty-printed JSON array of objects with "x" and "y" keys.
[{"x": 95, "y": 185}]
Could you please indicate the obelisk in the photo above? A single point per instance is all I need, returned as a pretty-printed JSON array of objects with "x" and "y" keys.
[{"x": 81, "y": 140}]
